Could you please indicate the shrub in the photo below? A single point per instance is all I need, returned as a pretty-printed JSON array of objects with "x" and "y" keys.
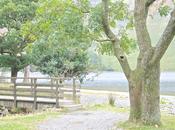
[{"x": 111, "y": 100}]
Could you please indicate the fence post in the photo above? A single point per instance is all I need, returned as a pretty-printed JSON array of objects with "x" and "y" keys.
[
  {"x": 57, "y": 94},
  {"x": 35, "y": 95},
  {"x": 32, "y": 82},
  {"x": 52, "y": 83},
  {"x": 14, "y": 91},
  {"x": 61, "y": 92},
  {"x": 74, "y": 89}
]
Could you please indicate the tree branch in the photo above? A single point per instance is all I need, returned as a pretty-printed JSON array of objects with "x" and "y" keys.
[
  {"x": 119, "y": 53},
  {"x": 149, "y": 3},
  {"x": 140, "y": 15},
  {"x": 105, "y": 21},
  {"x": 165, "y": 39},
  {"x": 103, "y": 40}
]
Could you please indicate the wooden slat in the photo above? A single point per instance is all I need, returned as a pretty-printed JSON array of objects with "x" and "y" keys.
[
  {"x": 24, "y": 95},
  {"x": 42, "y": 96},
  {"x": 27, "y": 90},
  {"x": 6, "y": 94},
  {"x": 45, "y": 90},
  {"x": 23, "y": 84},
  {"x": 30, "y": 95},
  {"x": 24, "y": 90},
  {"x": 6, "y": 89},
  {"x": 68, "y": 90},
  {"x": 55, "y": 78},
  {"x": 45, "y": 85}
]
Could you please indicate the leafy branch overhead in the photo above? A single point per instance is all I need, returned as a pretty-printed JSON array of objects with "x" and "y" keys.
[{"x": 121, "y": 22}]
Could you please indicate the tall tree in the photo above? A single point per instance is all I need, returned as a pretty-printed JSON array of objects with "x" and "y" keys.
[
  {"x": 13, "y": 14},
  {"x": 144, "y": 80}
]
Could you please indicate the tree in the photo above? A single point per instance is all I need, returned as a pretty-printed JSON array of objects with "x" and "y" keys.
[
  {"x": 63, "y": 23},
  {"x": 61, "y": 60},
  {"x": 12, "y": 45},
  {"x": 144, "y": 80},
  {"x": 61, "y": 39}
]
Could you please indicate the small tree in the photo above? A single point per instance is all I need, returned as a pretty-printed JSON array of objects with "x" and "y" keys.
[
  {"x": 12, "y": 45},
  {"x": 60, "y": 61}
]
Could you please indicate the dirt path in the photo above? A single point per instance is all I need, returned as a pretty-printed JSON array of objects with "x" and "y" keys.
[{"x": 84, "y": 120}]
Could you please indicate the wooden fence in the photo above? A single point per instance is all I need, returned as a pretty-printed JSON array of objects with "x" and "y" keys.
[{"x": 49, "y": 88}]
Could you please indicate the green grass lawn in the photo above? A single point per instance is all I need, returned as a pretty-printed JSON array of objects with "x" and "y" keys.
[
  {"x": 168, "y": 123},
  {"x": 25, "y": 122}
]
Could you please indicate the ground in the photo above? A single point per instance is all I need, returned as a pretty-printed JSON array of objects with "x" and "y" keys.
[
  {"x": 96, "y": 114},
  {"x": 99, "y": 115},
  {"x": 84, "y": 120}
]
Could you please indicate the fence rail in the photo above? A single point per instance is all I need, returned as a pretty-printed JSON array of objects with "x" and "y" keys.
[{"x": 54, "y": 88}]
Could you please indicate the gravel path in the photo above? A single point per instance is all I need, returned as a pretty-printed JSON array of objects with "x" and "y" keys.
[
  {"x": 167, "y": 103},
  {"x": 99, "y": 120},
  {"x": 84, "y": 120}
]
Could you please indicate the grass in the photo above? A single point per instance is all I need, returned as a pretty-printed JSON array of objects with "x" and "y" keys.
[
  {"x": 164, "y": 101},
  {"x": 25, "y": 122},
  {"x": 168, "y": 123},
  {"x": 106, "y": 107}
]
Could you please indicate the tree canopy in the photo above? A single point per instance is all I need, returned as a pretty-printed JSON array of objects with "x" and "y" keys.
[
  {"x": 13, "y": 14},
  {"x": 61, "y": 38}
]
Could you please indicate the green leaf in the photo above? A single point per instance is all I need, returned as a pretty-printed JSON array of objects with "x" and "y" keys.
[{"x": 164, "y": 10}]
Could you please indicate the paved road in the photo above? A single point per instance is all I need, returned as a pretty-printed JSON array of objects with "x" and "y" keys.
[{"x": 84, "y": 120}]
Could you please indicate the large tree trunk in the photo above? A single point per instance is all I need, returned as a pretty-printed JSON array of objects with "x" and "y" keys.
[
  {"x": 135, "y": 103},
  {"x": 144, "y": 95},
  {"x": 151, "y": 95},
  {"x": 135, "y": 90}
]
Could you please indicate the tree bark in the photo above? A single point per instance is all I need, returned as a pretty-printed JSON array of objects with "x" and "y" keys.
[
  {"x": 14, "y": 73},
  {"x": 26, "y": 74},
  {"x": 144, "y": 95},
  {"x": 135, "y": 103},
  {"x": 151, "y": 95},
  {"x": 135, "y": 90}
]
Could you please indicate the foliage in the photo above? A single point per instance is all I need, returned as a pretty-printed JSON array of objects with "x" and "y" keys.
[
  {"x": 65, "y": 61},
  {"x": 13, "y": 15},
  {"x": 61, "y": 38},
  {"x": 121, "y": 20},
  {"x": 164, "y": 10},
  {"x": 111, "y": 100}
]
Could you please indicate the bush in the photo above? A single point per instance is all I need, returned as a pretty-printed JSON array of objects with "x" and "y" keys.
[{"x": 111, "y": 100}]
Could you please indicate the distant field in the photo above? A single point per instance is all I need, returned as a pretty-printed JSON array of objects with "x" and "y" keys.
[{"x": 156, "y": 27}]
